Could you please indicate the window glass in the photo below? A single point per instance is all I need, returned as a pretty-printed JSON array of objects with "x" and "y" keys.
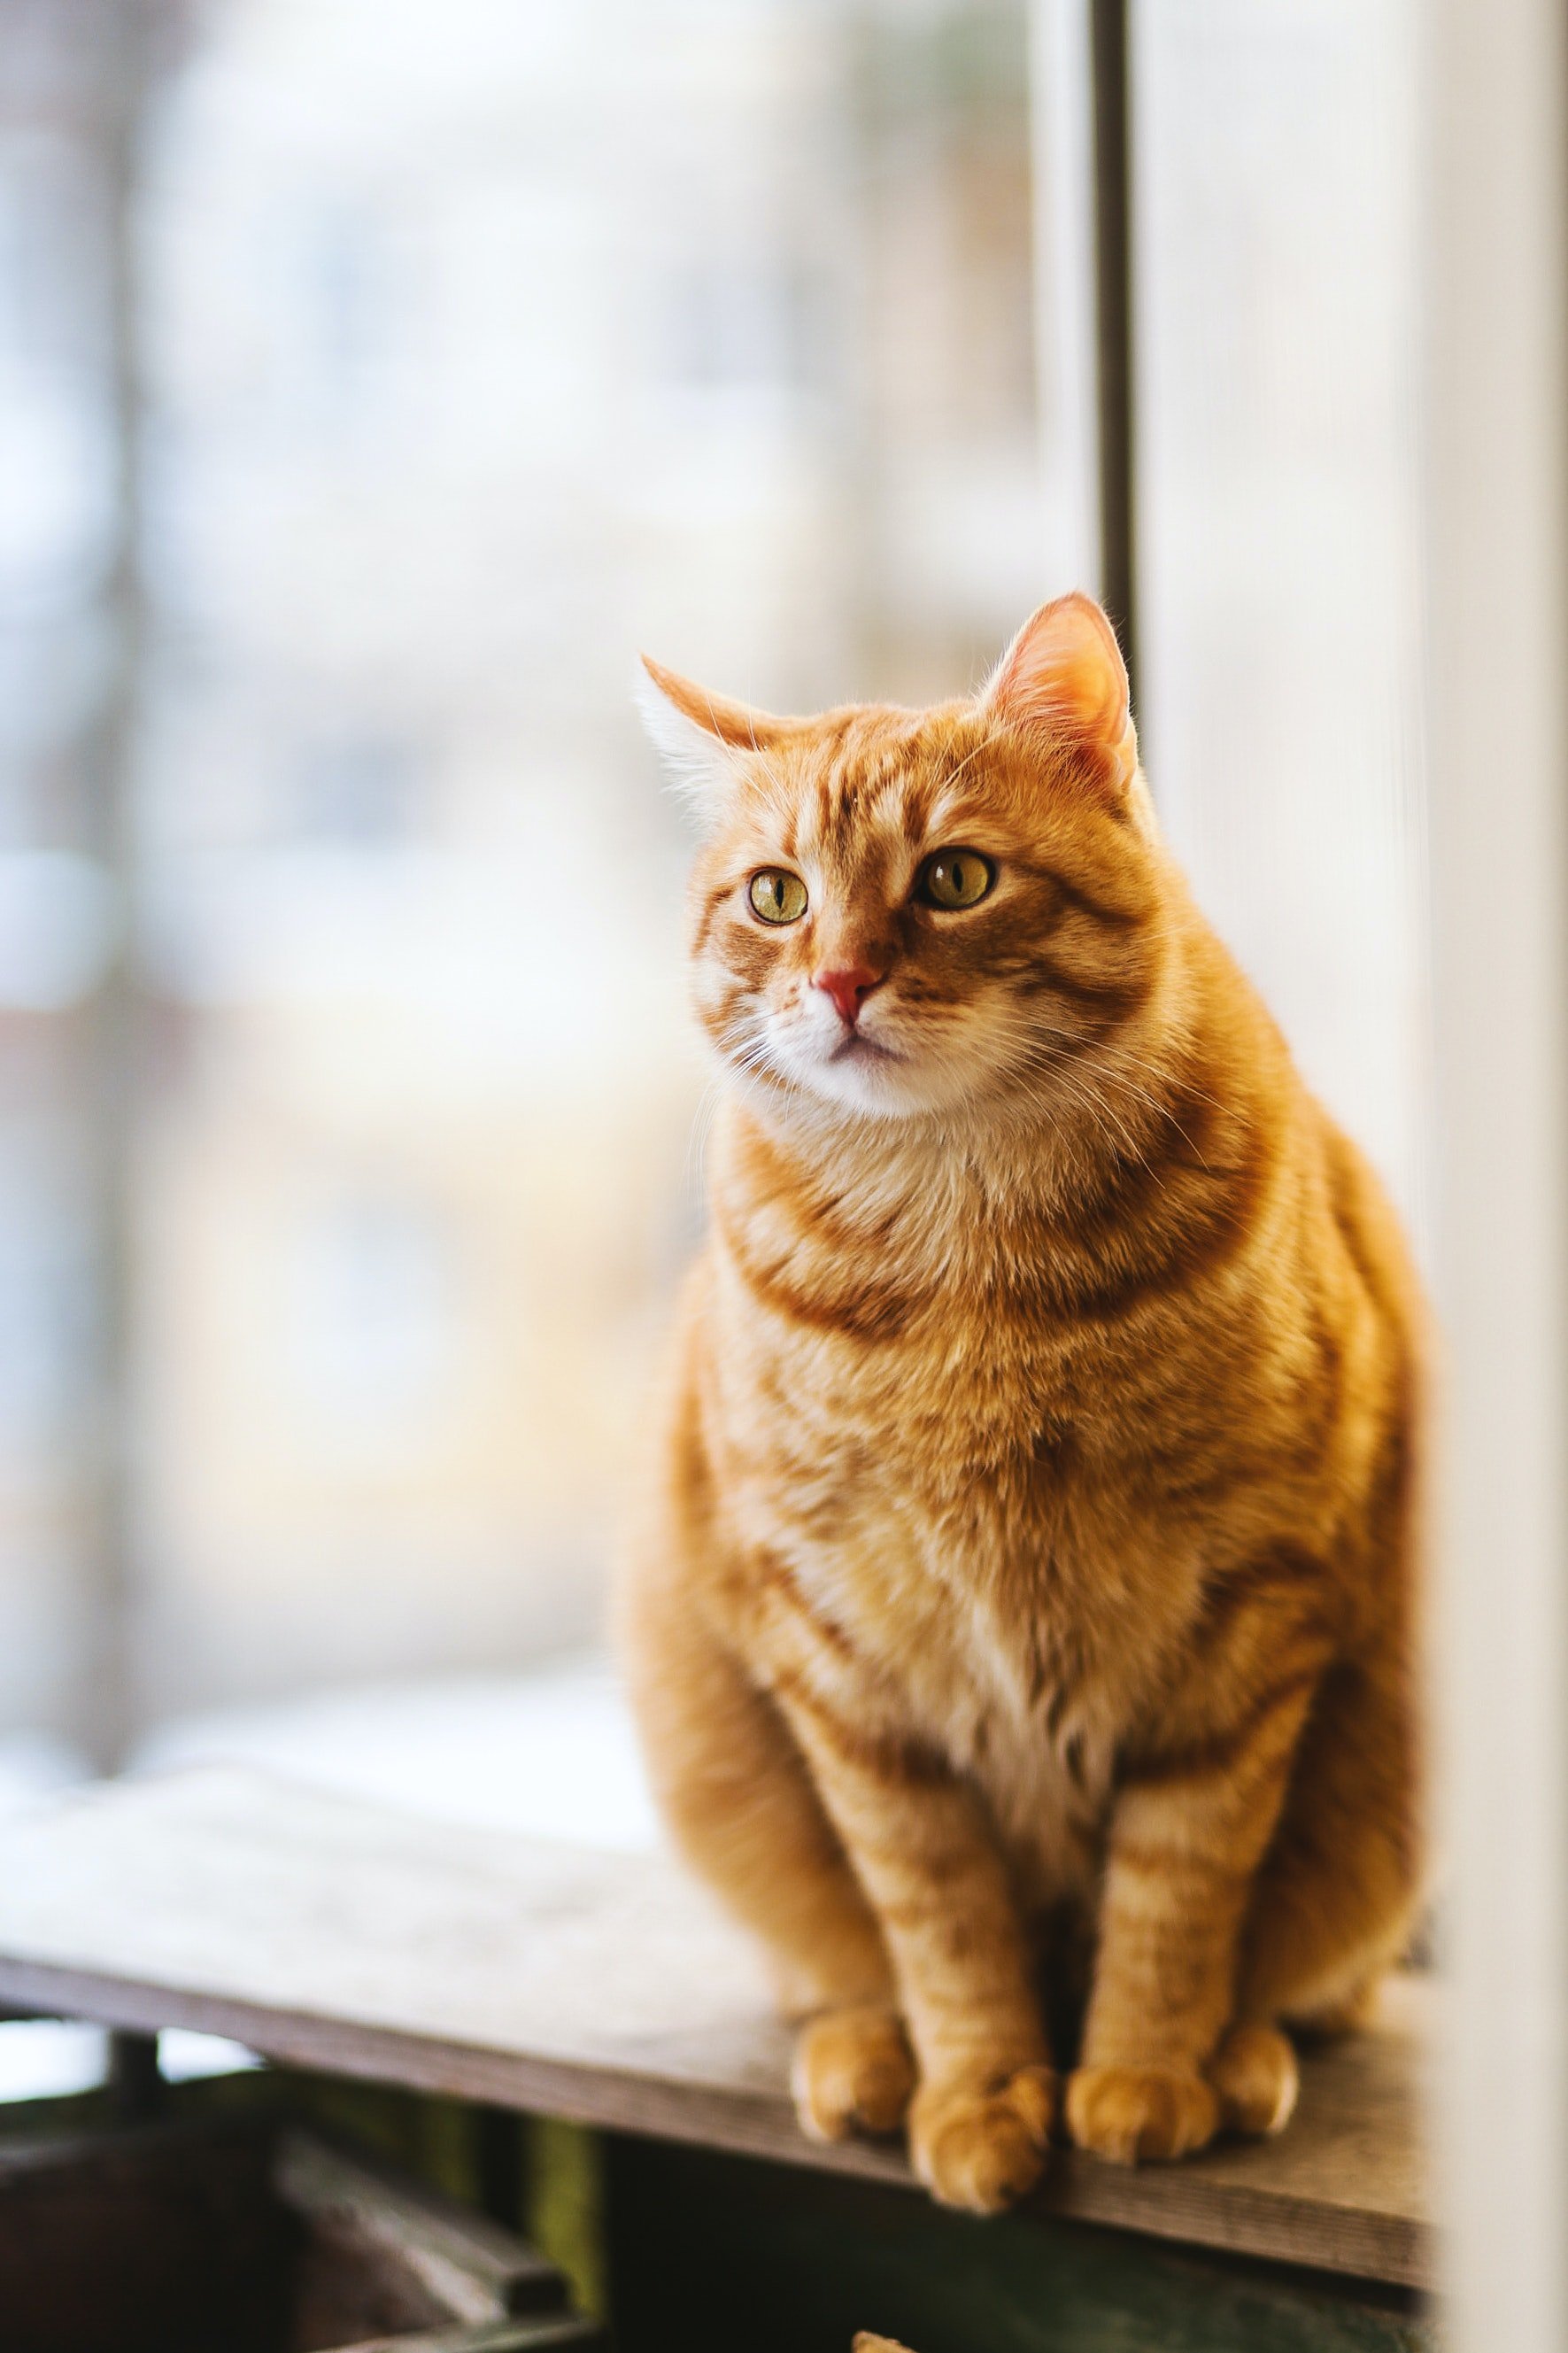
[{"x": 471, "y": 347}]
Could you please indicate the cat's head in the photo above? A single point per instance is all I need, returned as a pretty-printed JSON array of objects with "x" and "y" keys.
[{"x": 906, "y": 913}]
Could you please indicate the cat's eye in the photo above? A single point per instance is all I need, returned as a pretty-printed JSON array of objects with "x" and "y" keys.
[
  {"x": 955, "y": 878},
  {"x": 777, "y": 895}
]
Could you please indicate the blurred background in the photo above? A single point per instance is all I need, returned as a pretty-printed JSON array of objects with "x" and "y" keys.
[{"x": 375, "y": 378}]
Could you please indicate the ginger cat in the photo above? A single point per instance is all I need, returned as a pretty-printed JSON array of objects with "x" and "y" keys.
[{"x": 1026, "y": 1593}]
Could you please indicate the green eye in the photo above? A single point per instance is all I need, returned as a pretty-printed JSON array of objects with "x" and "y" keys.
[
  {"x": 955, "y": 878},
  {"x": 778, "y": 896}
]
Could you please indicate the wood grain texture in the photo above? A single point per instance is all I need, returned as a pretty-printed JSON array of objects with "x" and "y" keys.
[{"x": 604, "y": 1988}]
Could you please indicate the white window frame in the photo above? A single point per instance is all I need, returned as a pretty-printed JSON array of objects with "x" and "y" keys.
[{"x": 1495, "y": 419}]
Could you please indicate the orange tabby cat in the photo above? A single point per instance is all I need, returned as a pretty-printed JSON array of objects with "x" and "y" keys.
[{"x": 1030, "y": 1572}]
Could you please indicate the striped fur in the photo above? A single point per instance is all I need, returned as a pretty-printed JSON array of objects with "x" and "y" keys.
[{"x": 1027, "y": 1570}]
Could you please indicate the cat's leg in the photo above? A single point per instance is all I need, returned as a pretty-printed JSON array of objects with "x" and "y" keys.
[
  {"x": 1333, "y": 1901},
  {"x": 738, "y": 1795},
  {"x": 928, "y": 1858},
  {"x": 1188, "y": 1832}
]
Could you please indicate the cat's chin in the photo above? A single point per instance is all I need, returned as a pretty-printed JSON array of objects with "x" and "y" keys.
[
  {"x": 862, "y": 1075},
  {"x": 873, "y": 1082},
  {"x": 863, "y": 1087}
]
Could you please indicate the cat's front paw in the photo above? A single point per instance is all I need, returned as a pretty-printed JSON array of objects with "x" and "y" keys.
[
  {"x": 983, "y": 2148},
  {"x": 1127, "y": 2113},
  {"x": 853, "y": 2072}
]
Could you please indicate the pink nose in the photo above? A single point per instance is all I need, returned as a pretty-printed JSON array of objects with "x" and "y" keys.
[{"x": 848, "y": 987}]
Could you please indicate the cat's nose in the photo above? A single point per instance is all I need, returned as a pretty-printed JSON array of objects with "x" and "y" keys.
[{"x": 849, "y": 987}]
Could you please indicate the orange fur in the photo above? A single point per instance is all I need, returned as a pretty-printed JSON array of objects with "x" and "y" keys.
[{"x": 1030, "y": 1566}]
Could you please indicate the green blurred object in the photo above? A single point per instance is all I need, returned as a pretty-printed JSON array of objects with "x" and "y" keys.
[{"x": 565, "y": 2207}]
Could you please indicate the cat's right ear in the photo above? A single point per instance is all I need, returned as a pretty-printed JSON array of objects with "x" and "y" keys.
[{"x": 701, "y": 735}]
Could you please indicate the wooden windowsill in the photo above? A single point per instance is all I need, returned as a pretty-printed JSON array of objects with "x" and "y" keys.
[{"x": 340, "y": 1936}]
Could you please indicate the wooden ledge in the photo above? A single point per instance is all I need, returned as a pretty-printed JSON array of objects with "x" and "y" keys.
[{"x": 604, "y": 1988}]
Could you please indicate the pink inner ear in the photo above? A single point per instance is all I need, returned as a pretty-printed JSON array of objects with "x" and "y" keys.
[{"x": 1064, "y": 671}]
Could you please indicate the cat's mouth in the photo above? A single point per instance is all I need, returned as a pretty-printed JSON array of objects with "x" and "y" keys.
[
  {"x": 854, "y": 1047},
  {"x": 844, "y": 1065}
]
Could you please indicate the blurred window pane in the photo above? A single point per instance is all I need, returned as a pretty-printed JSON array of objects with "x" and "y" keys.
[
  {"x": 474, "y": 347},
  {"x": 1276, "y": 168}
]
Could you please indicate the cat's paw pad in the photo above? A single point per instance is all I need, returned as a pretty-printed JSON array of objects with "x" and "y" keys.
[
  {"x": 983, "y": 2149},
  {"x": 1254, "y": 2074},
  {"x": 1127, "y": 2113},
  {"x": 853, "y": 2073}
]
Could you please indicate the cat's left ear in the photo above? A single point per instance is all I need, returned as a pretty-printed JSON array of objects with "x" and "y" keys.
[
  {"x": 701, "y": 735},
  {"x": 1064, "y": 675}
]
